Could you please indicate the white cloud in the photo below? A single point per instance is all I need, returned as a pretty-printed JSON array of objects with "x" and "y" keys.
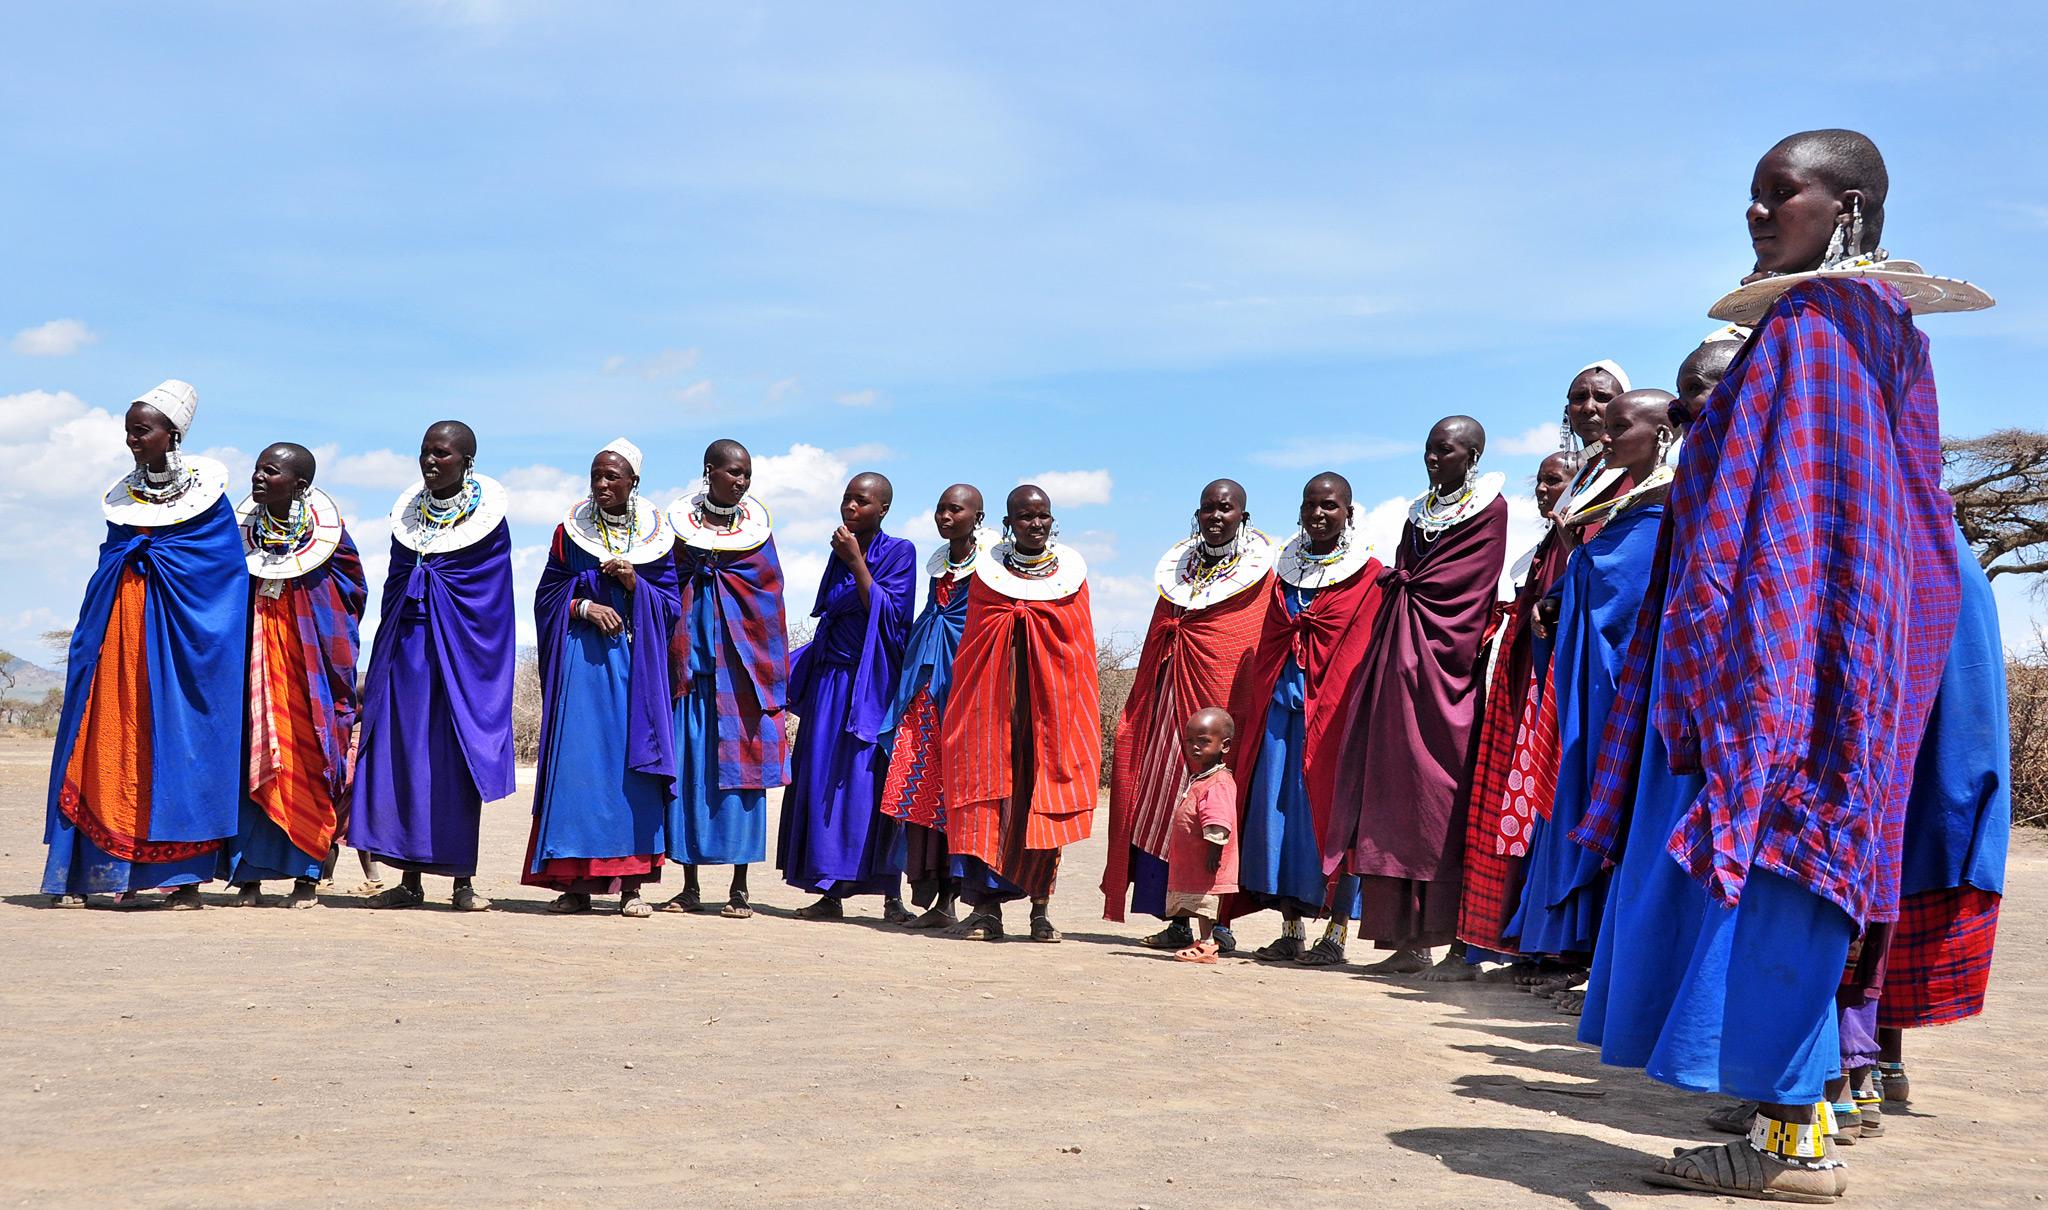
[
  {"x": 780, "y": 389},
  {"x": 1096, "y": 545},
  {"x": 1319, "y": 452},
  {"x": 1542, "y": 439},
  {"x": 1072, "y": 488},
  {"x": 57, "y": 338},
  {"x": 386, "y": 469},
  {"x": 696, "y": 395},
  {"x": 859, "y": 399},
  {"x": 541, "y": 495}
]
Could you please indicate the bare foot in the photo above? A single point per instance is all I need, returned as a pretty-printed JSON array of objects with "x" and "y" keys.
[
  {"x": 1401, "y": 962},
  {"x": 1452, "y": 969}
]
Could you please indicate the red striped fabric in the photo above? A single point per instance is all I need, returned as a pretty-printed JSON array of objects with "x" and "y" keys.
[
  {"x": 1940, "y": 960},
  {"x": 1059, "y": 638}
]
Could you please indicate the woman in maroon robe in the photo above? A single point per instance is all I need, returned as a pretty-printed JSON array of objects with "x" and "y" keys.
[{"x": 1397, "y": 819}]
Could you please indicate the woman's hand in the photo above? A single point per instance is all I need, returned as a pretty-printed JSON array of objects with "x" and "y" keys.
[
  {"x": 847, "y": 547},
  {"x": 622, "y": 571},
  {"x": 604, "y": 617},
  {"x": 1544, "y": 620}
]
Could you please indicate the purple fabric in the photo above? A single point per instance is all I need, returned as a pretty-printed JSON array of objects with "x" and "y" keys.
[
  {"x": 651, "y": 612},
  {"x": 1405, "y": 758},
  {"x": 834, "y": 837},
  {"x": 437, "y": 707}
]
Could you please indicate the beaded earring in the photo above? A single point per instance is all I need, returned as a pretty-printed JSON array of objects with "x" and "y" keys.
[
  {"x": 1664, "y": 440},
  {"x": 1834, "y": 254},
  {"x": 1856, "y": 227}
]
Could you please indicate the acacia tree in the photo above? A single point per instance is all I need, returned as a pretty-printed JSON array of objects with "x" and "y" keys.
[{"x": 2000, "y": 485}]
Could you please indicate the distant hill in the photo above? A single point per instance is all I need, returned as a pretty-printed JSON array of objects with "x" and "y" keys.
[{"x": 31, "y": 681}]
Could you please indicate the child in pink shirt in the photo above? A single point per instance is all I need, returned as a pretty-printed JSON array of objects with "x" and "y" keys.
[{"x": 1202, "y": 848}]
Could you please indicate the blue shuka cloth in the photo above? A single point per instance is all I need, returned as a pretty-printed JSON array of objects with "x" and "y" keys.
[
  {"x": 608, "y": 761},
  {"x": 437, "y": 707},
  {"x": 1959, "y": 819},
  {"x": 1712, "y": 999},
  {"x": 1281, "y": 863},
  {"x": 708, "y": 825},
  {"x": 834, "y": 838},
  {"x": 196, "y": 627},
  {"x": 1602, "y": 591},
  {"x": 260, "y": 851}
]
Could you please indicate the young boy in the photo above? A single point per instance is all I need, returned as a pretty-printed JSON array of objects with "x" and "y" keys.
[{"x": 1202, "y": 849}]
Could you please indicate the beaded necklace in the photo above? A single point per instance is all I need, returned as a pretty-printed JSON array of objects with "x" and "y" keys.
[
  {"x": 147, "y": 487},
  {"x": 956, "y": 570},
  {"x": 716, "y": 515},
  {"x": 435, "y": 513},
  {"x": 1304, "y": 558},
  {"x": 619, "y": 532},
  {"x": 1609, "y": 508},
  {"x": 1221, "y": 561},
  {"x": 1437, "y": 514},
  {"x": 1033, "y": 567},
  {"x": 284, "y": 536}
]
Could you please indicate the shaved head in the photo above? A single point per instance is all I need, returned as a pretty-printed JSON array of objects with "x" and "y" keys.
[
  {"x": 1462, "y": 428},
  {"x": 965, "y": 495},
  {"x": 1329, "y": 481},
  {"x": 293, "y": 457},
  {"x": 1025, "y": 493},
  {"x": 1213, "y": 718},
  {"x": 1566, "y": 459},
  {"x": 724, "y": 450},
  {"x": 456, "y": 434},
  {"x": 1231, "y": 485},
  {"x": 1843, "y": 160},
  {"x": 876, "y": 484},
  {"x": 1648, "y": 401}
]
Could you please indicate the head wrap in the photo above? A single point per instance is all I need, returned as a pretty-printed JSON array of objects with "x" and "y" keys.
[
  {"x": 1726, "y": 332},
  {"x": 1620, "y": 375},
  {"x": 176, "y": 400},
  {"x": 624, "y": 449}
]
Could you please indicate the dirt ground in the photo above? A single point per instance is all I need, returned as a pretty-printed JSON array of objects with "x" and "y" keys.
[{"x": 347, "y": 1057}]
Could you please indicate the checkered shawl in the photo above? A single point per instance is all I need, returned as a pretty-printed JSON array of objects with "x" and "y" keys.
[
  {"x": 327, "y": 604},
  {"x": 1812, "y": 594},
  {"x": 753, "y": 667}
]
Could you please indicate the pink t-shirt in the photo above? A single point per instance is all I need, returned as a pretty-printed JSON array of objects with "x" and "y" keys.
[{"x": 1208, "y": 802}]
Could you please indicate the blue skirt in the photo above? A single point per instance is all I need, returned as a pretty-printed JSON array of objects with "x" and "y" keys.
[
  {"x": 590, "y": 805},
  {"x": 77, "y": 866},
  {"x": 1709, "y": 998},
  {"x": 259, "y": 851},
  {"x": 707, "y": 825},
  {"x": 1280, "y": 860},
  {"x": 834, "y": 838}
]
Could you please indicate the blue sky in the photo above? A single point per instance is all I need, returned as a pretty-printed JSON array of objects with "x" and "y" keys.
[{"x": 1134, "y": 247}]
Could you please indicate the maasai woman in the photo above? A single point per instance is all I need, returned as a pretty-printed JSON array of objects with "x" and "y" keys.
[
  {"x": 1397, "y": 819},
  {"x": 835, "y": 841},
  {"x": 1318, "y": 620},
  {"x": 915, "y": 793},
  {"x": 1211, "y": 601},
  {"x": 147, "y": 767},
  {"x": 1494, "y": 858},
  {"x": 1592, "y": 613},
  {"x": 306, "y": 600},
  {"x": 437, "y": 698},
  {"x": 1585, "y": 401},
  {"x": 731, "y": 746},
  {"x": 607, "y": 771},
  {"x": 1023, "y": 744},
  {"x": 1809, "y": 534}
]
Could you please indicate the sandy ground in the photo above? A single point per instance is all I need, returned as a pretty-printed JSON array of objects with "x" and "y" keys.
[{"x": 349, "y": 1057}]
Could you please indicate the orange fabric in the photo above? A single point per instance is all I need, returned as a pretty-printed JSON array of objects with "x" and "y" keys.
[
  {"x": 287, "y": 769},
  {"x": 1064, "y": 713},
  {"x": 106, "y": 792}
]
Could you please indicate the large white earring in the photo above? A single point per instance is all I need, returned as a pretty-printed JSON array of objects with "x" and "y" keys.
[{"x": 1834, "y": 253}]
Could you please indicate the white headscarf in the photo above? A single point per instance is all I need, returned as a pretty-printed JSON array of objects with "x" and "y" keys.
[
  {"x": 176, "y": 400},
  {"x": 1620, "y": 375},
  {"x": 1727, "y": 332},
  {"x": 624, "y": 449}
]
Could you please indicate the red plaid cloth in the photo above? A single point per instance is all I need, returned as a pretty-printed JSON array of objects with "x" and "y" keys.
[
  {"x": 1812, "y": 594},
  {"x": 753, "y": 668},
  {"x": 1940, "y": 960}
]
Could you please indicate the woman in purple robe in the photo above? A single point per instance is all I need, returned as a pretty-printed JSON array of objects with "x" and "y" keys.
[
  {"x": 835, "y": 840},
  {"x": 436, "y": 741},
  {"x": 606, "y": 603},
  {"x": 1405, "y": 765}
]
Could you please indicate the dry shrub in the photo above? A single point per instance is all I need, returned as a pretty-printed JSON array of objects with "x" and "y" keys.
[
  {"x": 526, "y": 708},
  {"x": 2027, "y": 684},
  {"x": 1114, "y": 660}
]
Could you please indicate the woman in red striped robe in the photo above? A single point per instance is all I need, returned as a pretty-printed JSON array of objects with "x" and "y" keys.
[{"x": 1023, "y": 744}]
